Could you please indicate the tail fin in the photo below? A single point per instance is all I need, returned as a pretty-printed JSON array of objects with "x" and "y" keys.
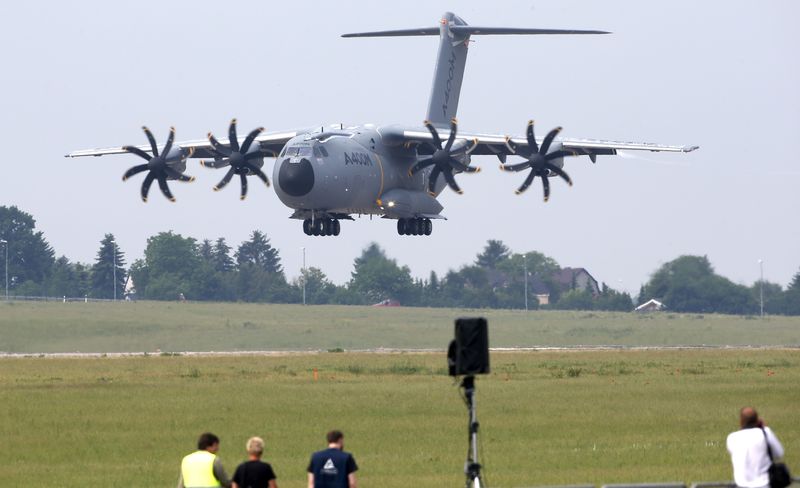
[{"x": 454, "y": 35}]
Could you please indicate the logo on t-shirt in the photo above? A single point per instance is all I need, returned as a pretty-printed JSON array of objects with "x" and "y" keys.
[{"x": 329, "y": 467}]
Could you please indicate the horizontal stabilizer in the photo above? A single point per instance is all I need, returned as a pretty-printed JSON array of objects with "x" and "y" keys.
[
  {"x": 471, "y": 30},
  {"x": 422, "y": 31}
]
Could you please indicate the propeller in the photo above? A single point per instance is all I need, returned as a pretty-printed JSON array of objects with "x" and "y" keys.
[
  {"x": 444, "y": 159},
  {"x": 244, "y": 160},
  {"x": 161, "y": 166},
  {"x": 539, "y": 161}
]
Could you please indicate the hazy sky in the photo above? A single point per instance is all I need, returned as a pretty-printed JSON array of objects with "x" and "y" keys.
[{"x": 721, "y": 74}]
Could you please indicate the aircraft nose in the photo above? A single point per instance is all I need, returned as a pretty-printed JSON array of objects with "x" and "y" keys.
[{"x": 296, "y": 178}]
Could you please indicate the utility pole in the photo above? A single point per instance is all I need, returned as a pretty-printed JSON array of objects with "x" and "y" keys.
[
  {"x": 5, "y": 243},
  {"x": 761, "y": 286},
  {"x": 304, "y": 275},
  {"x": 525, "y": 265}
]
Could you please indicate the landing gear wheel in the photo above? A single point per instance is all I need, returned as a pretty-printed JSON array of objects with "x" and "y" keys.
[
  {"x": 316, "y": 227},
  {"x": 401, "y": 227},
  {"x": 428, "y": 226},
  {"x": 336, "y": 227},
  {"x": 307, "y": 227},
  {"x": 326, "y": 227}
]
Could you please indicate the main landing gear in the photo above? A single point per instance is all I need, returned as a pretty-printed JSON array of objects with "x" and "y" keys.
[
  {"x": 414, "y": 227},
  {"x": 321, "y": 227}
]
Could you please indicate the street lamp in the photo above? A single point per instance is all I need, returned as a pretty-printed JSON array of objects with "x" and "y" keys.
[
  {"x": 761, "y": 286},
  {"x": 5, "y": 243},
  {"x": 304, "y": 275},
  {"x": 525, "y": 267}
]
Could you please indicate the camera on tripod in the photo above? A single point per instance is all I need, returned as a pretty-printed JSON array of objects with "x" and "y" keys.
[{"x": 468, "y": 355}]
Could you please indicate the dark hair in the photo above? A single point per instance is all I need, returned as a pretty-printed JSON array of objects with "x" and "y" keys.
[
  {"x": 206, "y": 440},
  {"x": 748, "y": 417},
  {"x": 334, "y": 436}
]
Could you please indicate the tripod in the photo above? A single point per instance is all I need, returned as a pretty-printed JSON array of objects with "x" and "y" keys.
[{"x": 471, "y": 467}]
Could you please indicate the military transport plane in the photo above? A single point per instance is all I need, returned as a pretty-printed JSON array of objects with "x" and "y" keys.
[{"x": 327, "y": 174}]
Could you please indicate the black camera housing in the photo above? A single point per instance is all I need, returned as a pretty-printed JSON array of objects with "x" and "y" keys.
[{"x": 468, "y": 353}]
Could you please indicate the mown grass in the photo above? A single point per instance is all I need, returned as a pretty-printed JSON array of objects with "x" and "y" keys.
[
  {"x": 546, "y": 417},
  {"x": 151, "y": 326}
]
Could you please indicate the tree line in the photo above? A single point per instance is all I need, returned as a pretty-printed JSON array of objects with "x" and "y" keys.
[{"x": 176, "y": 266}]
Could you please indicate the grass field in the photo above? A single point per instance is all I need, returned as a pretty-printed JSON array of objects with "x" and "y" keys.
[
  {"x": 546, "y": 417},
  {"x": 149, "y": 326}
]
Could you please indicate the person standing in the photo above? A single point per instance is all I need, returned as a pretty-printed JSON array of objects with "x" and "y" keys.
[
  {"x": 203, "y": 468},
  {"x": 748, "y": 450},
  {"x": 332, "y": 467},
  {"x": 254, "y": 473}
]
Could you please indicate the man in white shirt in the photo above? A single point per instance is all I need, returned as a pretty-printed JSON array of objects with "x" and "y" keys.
[{"x": 748, "y": 450}]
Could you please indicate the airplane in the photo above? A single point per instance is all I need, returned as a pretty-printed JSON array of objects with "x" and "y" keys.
[{"x": 327, "y": 174}]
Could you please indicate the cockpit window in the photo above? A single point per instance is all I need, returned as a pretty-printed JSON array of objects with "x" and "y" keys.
[
  {"x": 298, "y": 151},
  {"x": 320, "y": 152}
]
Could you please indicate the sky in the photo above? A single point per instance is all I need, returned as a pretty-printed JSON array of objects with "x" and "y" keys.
[{"x": 723, "y": 75}]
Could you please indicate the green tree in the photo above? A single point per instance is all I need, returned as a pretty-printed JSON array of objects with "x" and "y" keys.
[
  {"x": 30, "y": 257},
  {"x": 789, "y": 301},
  {"x": 689, "y": 284},
  {"x": 319, "y": 290},
  {"x": 493, "y": 254},
  {"x": 376, "y": 277},
  {"x": 68, "y": 279},
  {"x": 259, "y": 252},
  {"x": 773, "y": 293},
  {"x": 168, "y": 268},
  {"x": 108, "y": 258},
  {"x": 223, "y": 262}
]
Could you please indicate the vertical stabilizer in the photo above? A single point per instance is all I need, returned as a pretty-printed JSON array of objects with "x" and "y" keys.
[{"x": 449, "y": 71}]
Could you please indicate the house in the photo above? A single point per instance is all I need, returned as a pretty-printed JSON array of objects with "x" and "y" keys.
[
  {"x": 651, "y": 305},
  {"x": 576, "y": 279}
]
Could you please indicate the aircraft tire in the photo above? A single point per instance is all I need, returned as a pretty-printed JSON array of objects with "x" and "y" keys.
[
  {"x": 428, "y": 227},
  {"x": 326, "y": 227},
  {"x": 307, "y": 227},
  {"x": 336, "y": 227},
  {"x": 401, "y": 227}
]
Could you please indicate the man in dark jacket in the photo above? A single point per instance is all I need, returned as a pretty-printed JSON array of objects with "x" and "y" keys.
[{"x": 333, "y": 467}]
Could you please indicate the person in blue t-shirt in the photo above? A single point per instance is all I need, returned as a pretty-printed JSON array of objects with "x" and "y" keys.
[{"x": 333, "y": 467}]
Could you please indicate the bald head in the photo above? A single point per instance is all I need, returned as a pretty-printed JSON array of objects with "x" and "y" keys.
[{"x": 748, "y": 418}]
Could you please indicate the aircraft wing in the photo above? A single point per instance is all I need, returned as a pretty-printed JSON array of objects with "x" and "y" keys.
[
  {"x": 502, "y": 146},
  {"x": 271, "y": 144}
]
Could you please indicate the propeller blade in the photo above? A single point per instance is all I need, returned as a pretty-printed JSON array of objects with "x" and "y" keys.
[
  {"x": 172, "y": 173},
  {"x": 560, "y": 172},
  {"x": 436, "y": 140},
  {"x": 451, "y": 181},
  {"x": 548, "y": 139},
  {"x": 225, "y": 180},
  {"x": 215, "y": 164},
  {"x": 152, "y": 140},
  {"x": 452, "y": 137},
  {"x": 219, "y": 149},
  {"x": 232, "y": 139},
  {"x": 531, "y": 139},
  {"x": 162, "y": 183},
  {"x": 250, "y": 138},
  {"x": 516, "y": 167},
  {"x": 243, "y": 179},
  {"x": 257, "y": 171},
  {"x": 138, "y": 152},
  {"x": 134, "y": 171},
  {"x": 432, "y": 179},
  {"x": 421, "y": 164},
  {"x": 148, "y": 180},
  {"x": 170, "y": 140},
  {"x": 546, "y": 187},
  {"x": 526, "y": 183}
]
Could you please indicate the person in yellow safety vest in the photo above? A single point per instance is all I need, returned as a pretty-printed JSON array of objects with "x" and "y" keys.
[{"x": 202, "y": 468}]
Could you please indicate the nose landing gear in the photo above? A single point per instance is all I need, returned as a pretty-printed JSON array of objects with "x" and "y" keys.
[
  {"x": 414, "y": 227},
  {"x": 321, "y": 227}
]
